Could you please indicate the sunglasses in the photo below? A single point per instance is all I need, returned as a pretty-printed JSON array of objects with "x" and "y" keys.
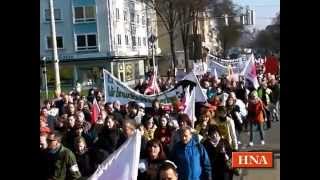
[{"x": 51, "y": 140}]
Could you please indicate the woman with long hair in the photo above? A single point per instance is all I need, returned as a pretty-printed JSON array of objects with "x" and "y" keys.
[
  {"x": 233, "y": 111},
  {"x": 155, "y": 156},
  {"x": 202, "y": 124},
  {"x": 149, "y": 127},
  {"x": 109, "y": 135}
]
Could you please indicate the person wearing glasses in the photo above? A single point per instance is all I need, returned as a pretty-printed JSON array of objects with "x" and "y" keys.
[{"x": 61, "y": 161}]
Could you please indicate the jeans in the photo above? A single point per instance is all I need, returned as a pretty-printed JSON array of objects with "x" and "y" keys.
[{"x": 260, "y": 129}]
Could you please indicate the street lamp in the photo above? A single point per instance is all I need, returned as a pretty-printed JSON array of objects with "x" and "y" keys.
[{"x": 44, "y": 72}]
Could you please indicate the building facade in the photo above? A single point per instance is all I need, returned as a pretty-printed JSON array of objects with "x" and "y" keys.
[
  {"x": 205, "y": 28},
  {"x": 96, "y": 34}
]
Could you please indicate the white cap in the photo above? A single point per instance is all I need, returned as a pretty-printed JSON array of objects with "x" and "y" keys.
[{"x": 141, "y": 105}]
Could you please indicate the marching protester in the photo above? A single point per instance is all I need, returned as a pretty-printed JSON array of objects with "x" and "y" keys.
[
  {"x": 264, "y": 94},
  {"x": 84, "y": 157},
  {"x": 219, "y": 152},
  {"x": 233, "y": 111},
  {"x": 168, "y": 171},
  {"x": 108, "y": 138},
  {"x": 155, "y": 156},
  {"x": 149, "y": 127},
  {"x": 256, "y": 116},
  {"x": 191, "y": 158},
  {"x": 226, "y": 126},
  {"x": 61, "y": 161}
]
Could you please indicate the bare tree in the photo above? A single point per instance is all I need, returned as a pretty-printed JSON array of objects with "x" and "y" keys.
[
  {"x": 189, "y": 14},
  {"x": 228, "y": 35},
  {"x": 168, "y": 14}
]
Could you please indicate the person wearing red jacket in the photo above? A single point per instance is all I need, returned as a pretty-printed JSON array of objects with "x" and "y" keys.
[{"x": 256, "y": 115}]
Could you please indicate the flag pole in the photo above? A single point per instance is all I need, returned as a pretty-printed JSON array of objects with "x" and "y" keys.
[{"x": 55, "y": 51}]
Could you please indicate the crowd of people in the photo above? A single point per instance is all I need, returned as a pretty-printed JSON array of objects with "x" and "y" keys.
[{"x": 73, "y": 144}]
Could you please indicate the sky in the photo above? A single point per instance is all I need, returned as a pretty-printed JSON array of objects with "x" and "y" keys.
[{"x": 265, "y": 10}]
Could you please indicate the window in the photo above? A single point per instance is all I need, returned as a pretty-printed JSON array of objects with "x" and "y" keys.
[
  {"x": 126, "y": 39},
  {"x": 133, "y": 29},
  {"x": 144, "y": 41},
  {"x": 131, "y": 17},
  {"x": 125, "y": 16},
  {"x": 138, "y": 19},
  {"x": 119, "y": 39},
  {"x": 59, "y": 42},
  {"x": 139, "y": 41},
  {"x": 86, "y": 42},
  {"x": 84, "y": 14},
  {"x": 57, "y": 14},
  {"x": 143, "y": 20},
  {"x": 117, "y": 14},
  {"x": 134, "y": 43}
]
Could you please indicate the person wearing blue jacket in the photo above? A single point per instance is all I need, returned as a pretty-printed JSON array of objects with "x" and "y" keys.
[{"x": 191, "y": 158}]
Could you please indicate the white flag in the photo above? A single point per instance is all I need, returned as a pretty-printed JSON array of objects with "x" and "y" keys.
[
  {"x": 215, "y": 74},
  {"x": 250, "y": 73},
  {"x": 190, "y": 108},
  {"x": 200, "y": 95},
  {"x": 123, "y": 163}
]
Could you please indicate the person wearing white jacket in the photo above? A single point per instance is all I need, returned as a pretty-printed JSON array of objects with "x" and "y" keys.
[{"x": 226, "y": 127}]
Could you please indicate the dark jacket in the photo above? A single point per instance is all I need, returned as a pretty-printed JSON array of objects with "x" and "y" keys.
[
  {"x": 152, "y": 170},
  {"x": 220, "y": 168},
  {"x": 85, "y": 163},
  {"x": 192, "y": 161},
  {"x": 232, "y": 112},
  {"x": 62, "y": 165},
  {"x": 108, "y": 139}
]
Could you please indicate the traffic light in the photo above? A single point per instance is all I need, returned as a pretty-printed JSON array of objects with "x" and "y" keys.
[
  {"x": 248, "y": 18},
  {"x": 226, "y": 19}
]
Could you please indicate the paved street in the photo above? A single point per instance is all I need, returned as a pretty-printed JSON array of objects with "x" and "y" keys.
[{"x": 272, "y": 140}]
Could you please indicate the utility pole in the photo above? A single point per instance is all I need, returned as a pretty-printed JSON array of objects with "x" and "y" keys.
[
  {"x": 55, "y": 51},
  {"x": 44, "y": 72}
]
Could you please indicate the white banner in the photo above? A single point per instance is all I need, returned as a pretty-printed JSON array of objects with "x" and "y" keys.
[
  {"x": 200, "y": 68},
  {"x": 222, "y": 69},
  {"x": 116, "y": 90},
  {"x": 227, "y": 62},
  {"x": 123, "y": 163}
]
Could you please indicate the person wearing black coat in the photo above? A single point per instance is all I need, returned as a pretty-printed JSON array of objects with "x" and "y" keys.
[
  {"x": 84, "y": 157},
  {"x": 219, "y": 152},
  {"x": 108, "y": 138}
]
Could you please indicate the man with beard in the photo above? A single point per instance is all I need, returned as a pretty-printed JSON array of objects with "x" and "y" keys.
[{"x": 134, "y": 113}]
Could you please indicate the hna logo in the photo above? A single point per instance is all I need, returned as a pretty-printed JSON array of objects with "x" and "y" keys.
[{"x": 252, "y": 160}]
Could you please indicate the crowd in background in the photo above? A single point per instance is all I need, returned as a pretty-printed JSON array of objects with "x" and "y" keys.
[{"x": 73, "y": 144}]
